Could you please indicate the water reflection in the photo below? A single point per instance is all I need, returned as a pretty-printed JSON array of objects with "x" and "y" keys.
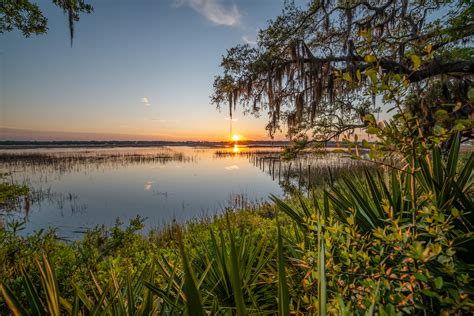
[
  {"x": 100, "y": 185},
  {"x": 233, "y": 167},
  {"x": 148, "y": 185}
]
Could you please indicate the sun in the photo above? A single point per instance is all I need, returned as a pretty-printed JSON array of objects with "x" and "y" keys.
[{"x": 235, "y": 137}]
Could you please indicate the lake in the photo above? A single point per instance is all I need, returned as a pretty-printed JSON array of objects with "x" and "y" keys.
[{"x": 74, "y": 189}]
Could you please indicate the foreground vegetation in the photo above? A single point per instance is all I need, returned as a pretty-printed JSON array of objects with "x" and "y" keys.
[
  {"x": 356, "y": 246},
  {"x": 11, "y": 193}
]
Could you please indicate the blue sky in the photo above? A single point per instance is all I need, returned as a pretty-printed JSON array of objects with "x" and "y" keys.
[{"x": 140, "y": 69}]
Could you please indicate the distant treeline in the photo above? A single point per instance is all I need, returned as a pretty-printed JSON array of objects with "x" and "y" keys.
[{"x": 9, "y": 144}]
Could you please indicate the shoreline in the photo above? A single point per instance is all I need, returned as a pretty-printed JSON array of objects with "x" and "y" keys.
[{"x": 120, "y": 144}]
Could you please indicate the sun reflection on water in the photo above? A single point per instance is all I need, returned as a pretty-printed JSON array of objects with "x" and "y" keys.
[{"x": 236, "y": 149}]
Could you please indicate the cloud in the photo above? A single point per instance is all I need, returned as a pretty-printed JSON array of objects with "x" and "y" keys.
[
  {"x": 248, "y": 40},
  {"x": 233, "y": 167},
  {"x": 145, "y": 101},
  {"x": 162, "y": 120},
  {"x": 158, "y": 120},
  {"x": 214, "y": 11}
]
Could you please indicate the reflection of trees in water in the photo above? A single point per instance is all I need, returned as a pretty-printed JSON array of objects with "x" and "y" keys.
[
  {"x": 38, "y": 197},
  {"x": 309, "y": 170},
  {"x": 243, "y": 152}
]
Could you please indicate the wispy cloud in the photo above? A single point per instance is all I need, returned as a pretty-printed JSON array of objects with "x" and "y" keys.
[
  {"x": 214, "y": 11},
  {"x": 231, "y": 119},
  {"x": 161, "y": 120},
  {"x": 158, "y": 120},
  {"x": 248, "y": 40},
  {"x": 146, "y": 101}
]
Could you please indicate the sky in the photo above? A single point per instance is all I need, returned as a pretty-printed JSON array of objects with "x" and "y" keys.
[{"x": 138, "y": 70}]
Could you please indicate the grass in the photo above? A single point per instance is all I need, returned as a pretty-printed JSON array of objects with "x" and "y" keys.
[
  {"x": 71, "y": 160},
  {"x": 11, "y": 193}
]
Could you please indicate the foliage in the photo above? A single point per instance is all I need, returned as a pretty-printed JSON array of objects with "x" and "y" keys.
[
  {"x": 27, "y": 17},
  {"x": 386, "y": 252},
  {"x": 104, "y": 257},
  {"x": 320, "y": 69},
  {"x": 10, "y": 193}
]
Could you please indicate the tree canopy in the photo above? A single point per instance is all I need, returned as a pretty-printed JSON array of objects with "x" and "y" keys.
[
  {"x": 323, "y": 70},
  {"x": 28, "y": 18}
]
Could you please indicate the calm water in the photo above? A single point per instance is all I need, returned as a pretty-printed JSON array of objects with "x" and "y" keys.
[{"x": 81, "y": 188}]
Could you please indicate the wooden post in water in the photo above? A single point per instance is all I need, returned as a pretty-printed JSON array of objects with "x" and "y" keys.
[
  {"x": 288, "y": 173},
  {"x": 300, "y": 179},
  {"x": 273, "y": 169},
  {"x": 279, "y": 169},
  {"x": 309, "y": 177}
]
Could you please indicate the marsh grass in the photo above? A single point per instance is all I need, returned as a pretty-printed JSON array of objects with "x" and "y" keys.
[
  {"x": 64, "y": 162},
  {"x": 309, "y": 170}
]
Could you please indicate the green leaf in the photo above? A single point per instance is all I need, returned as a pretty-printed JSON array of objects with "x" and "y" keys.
[
  {"x": 346, "y": 76},
  {"x": 369, "y": 118},
  {"x": 12, "y": 301},
  {"x": 366, "y": 33},
  {"x": 430, "y": 293},
  {"x": 372, "y": 130},
  {"x": 370, "y": 58},
  {"x": 441, "y": 113},
  {"x": 416, "y": 61},
  {"x": 453, "y": 155},
  {"x": 428, "y": 49},
  {"x": 372, "y": 74},
  {"x": 438, "y": 282},
  {"x": 285, "y": 208},
  {"x": 75, "y": 307},
  {"x": 130, "y": 296},
  {"x": 283, "y": 296},
  {"x": 193, "y": 296},
  {"x": 421, "y": 277},
  {"x": 235, "y": 274},
  {"x": 471, "y": 94},
  {"x": 371, "y": 310},
  {"x": 322, "y": 284},
  {"x": 32, "y": 294},
  {"x": 50, "y": 286}
]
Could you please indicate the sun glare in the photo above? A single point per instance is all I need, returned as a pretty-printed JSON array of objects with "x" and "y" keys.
[{"x": 235, "y": 137}]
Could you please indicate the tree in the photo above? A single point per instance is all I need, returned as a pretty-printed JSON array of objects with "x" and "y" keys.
[
  {"x": 28, "y": 18},
  {"x": 322, "y": 71}
]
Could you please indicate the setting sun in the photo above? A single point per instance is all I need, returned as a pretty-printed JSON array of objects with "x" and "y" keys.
[{"x": 235, "y": 137}]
